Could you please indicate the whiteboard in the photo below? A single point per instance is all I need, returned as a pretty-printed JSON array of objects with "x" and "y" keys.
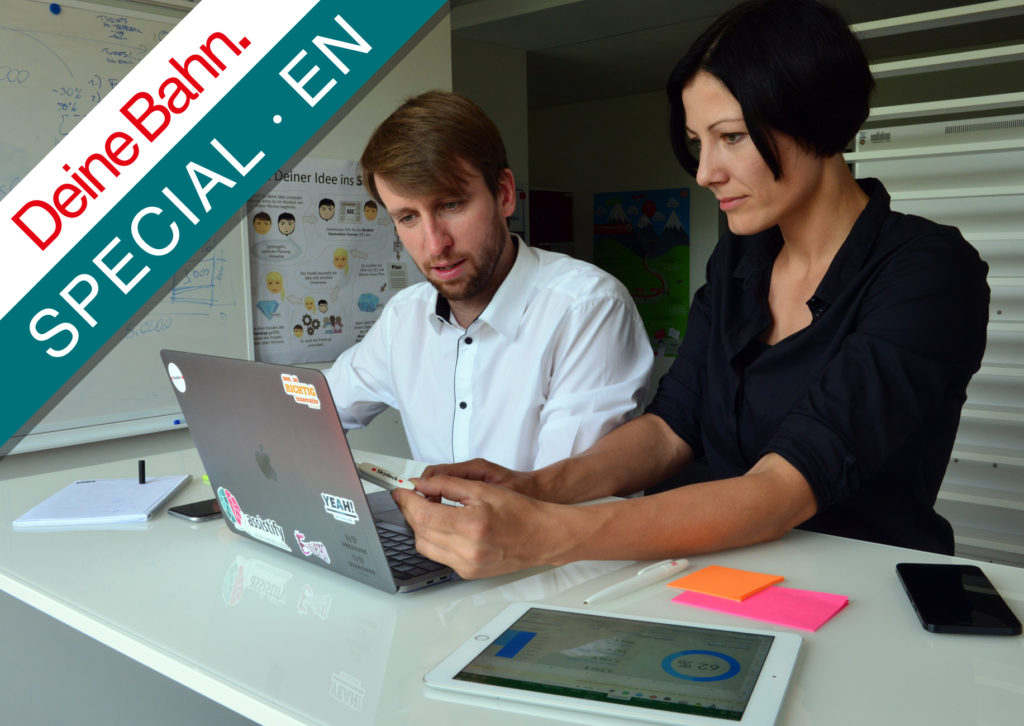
[{"x": 54, "y": 68}]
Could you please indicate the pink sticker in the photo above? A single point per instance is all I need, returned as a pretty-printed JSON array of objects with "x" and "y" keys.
[
  {"x": 803, "y": 609},
  {"x": 229, "y": 504}
]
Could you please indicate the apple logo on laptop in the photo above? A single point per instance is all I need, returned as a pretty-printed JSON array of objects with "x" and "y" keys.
[{"x": 263, "y": 462}]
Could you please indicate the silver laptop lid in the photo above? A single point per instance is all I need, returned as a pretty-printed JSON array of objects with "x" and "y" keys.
[{"x": 278, "y": 461}]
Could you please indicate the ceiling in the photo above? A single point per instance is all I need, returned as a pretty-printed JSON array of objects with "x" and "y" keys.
[{"x": 579, "y": 50}]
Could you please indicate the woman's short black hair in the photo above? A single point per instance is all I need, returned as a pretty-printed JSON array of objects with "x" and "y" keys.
[{"x": 794, "y": 66}]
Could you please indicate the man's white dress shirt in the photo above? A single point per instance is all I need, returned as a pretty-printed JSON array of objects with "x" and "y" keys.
[{"x": 557, "y": 359}]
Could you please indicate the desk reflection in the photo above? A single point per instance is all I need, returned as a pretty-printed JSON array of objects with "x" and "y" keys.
[{"x": 340, "y": 636}]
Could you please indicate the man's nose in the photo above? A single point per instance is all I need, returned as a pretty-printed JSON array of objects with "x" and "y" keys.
[{"x": 435, "y": 237}]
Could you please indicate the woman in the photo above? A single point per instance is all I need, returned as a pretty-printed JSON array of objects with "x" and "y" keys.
[{"x": 826, "y": 358}]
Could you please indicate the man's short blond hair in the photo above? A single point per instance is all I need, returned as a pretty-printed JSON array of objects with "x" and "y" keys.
[{"x": 426, "y": 145}]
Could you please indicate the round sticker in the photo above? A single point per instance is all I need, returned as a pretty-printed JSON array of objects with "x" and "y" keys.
[
  {"x": 176, "y": 378},
  {"x": 229, "y": 504}
]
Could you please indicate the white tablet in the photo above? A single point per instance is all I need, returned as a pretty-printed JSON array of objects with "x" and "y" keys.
[{"x": 619, "y": 666}]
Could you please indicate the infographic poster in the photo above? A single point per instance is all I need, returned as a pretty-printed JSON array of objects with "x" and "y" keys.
[
  {"x": 643, "y": 238},
  {"x": 324, "y": 258}
]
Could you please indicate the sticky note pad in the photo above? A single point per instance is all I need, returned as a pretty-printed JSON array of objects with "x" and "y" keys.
[
  {"x": 725, "y": 582},
  {"x": 803, "y": 609}
]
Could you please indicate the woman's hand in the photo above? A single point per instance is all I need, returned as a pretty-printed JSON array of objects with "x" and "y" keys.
[
  {"x": 495, "y": 531},
  {"x": 484, "y": 471}
]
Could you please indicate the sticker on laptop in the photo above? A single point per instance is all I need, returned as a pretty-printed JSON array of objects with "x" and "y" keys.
[
  {"x": 176, "y": 377},
  {"x": 265, "y": 530},
  {"x": 228, "y": 503},
  {"x": 304, "y": 393},
  {"x": 314, "y": 549},
  {"x": 342, "y": 509}
]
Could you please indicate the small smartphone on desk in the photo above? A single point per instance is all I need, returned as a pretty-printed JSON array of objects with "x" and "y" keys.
[
  {"x": 956, "y": 599},
  {"x": 197, "y": 511}
]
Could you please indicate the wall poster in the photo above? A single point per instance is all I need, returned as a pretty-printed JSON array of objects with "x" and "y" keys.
[
  {"x": 324, "y": 258},
  {"x": 643, "y": 238}
]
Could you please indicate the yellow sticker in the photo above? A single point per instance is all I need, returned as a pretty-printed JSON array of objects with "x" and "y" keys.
[{"x": 303, "y": 393}]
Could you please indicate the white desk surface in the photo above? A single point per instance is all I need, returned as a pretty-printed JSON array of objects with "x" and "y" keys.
[{"x": 283, "y": 641}]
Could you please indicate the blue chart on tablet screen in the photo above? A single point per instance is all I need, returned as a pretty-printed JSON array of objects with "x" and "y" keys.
[{"x": 653, "y": 665}]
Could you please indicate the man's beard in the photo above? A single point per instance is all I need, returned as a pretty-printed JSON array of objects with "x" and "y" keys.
[{"x": 483, "y": 269}]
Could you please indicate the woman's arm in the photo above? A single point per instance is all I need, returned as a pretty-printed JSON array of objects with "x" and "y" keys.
[
  {"x": 498, "y": 530},
  {"x": 636, "y": 455}
]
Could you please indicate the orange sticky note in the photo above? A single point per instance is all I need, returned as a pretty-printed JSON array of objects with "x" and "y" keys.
[{"x": 726, "y": 582}]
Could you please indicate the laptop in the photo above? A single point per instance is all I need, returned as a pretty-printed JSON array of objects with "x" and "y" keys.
[{"x": 279, "y": 463}]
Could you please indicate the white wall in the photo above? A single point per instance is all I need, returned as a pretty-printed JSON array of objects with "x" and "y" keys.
[
  {"x": 428, "y": 66},
  {"x": 494, "y": 77}
]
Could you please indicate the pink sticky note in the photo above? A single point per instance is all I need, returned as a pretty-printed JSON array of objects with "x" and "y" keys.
[
  {"x": 803, "y": 609},
  {"x": 725, "y": 582}
]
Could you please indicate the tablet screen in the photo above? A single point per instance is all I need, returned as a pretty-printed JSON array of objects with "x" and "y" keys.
[{"x": 667, "y": 667}]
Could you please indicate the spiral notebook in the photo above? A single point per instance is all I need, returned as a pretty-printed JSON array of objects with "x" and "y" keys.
[{"x": 99, "y": 502}]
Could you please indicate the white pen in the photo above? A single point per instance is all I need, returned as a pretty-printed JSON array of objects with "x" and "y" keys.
[
  {"x": 645, "y": 576},
  {"x": 384, "y": 478}
]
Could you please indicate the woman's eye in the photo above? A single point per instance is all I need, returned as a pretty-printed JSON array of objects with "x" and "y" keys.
[{"x": 733, "y": 138}]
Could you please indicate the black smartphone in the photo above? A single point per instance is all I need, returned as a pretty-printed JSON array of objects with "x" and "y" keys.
[
  {"x": 956, "y": 599},
  {"x": 197, "y": 511}
]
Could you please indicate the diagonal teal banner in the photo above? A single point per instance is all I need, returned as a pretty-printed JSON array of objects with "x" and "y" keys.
[{"x": 167, "y": 220}]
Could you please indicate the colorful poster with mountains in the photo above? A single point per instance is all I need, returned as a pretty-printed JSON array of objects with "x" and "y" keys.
[{"x": 643, "y": 238}]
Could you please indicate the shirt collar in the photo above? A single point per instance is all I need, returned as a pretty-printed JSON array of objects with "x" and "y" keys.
[
  {"x": 505, "y": 311},
  {"x": 855, "y": 250},
  {"x": 759, "y": 254},
  {"x": 442, "y": 313}
]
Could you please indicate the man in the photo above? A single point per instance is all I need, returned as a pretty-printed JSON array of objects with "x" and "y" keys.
[{"x": 513, "y": 354}]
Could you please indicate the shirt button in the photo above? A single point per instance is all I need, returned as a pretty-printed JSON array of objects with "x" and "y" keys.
[
  {"x": 462, "y": 404},
  {"x": 817, "y": 307},
  {"x": 469, "y": 341}
]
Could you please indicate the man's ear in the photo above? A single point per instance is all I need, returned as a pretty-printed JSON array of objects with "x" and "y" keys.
[{"x": 506, "y": 193}]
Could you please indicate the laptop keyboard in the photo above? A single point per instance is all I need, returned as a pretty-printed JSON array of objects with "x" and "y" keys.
[{"x": 403, "y": 559}]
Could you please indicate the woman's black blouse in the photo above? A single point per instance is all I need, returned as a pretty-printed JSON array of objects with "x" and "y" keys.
[{"x": 865, "y": 401}]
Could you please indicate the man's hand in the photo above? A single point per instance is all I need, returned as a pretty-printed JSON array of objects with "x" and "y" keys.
[{"x": 494, "y": 532}]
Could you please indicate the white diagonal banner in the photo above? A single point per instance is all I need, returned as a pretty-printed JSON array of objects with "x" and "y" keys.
[{"x": 140, "y": 186}]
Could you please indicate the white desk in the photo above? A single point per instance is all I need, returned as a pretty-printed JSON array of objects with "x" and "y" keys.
[{"x": 282, "y": 641}]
